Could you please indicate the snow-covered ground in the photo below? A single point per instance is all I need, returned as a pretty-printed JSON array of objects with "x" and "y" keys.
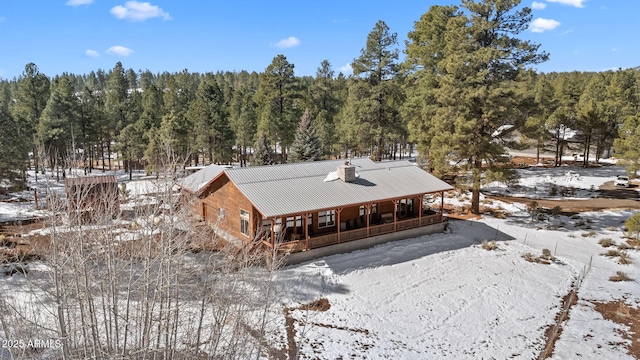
[{"x": 444, "y": 296}]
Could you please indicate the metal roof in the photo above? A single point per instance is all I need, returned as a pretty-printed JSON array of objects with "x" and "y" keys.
[
  {"x": 300, "y": 187},
  {"x": 199, "y": 179},
  {"x": 90, "y": 180}
]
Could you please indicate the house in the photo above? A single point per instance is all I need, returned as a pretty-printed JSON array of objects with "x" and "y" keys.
[
  {"x": 89, "y": 197},
  {"x": 311, "y": 205}
]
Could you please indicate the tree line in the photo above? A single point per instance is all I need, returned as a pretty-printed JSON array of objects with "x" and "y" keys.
[{"x": 466, "y": 85}]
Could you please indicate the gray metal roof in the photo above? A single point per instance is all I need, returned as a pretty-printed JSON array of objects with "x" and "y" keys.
[
  {"x": 300, "y": 187},
  {"x": 196, "y": 181}
]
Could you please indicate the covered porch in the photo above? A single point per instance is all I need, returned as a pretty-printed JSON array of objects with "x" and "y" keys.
[{"x": 326, "y": 227}]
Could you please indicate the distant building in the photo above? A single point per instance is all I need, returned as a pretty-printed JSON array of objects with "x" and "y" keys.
[
  {"x": 90, "y": 197},
  {"x": 311, "y": 205}
]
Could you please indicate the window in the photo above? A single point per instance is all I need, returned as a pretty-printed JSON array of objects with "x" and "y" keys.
[
  {"x": 298, "y": 220},
  {"x": 404, "y": 207},
  {"x": 374, "y": 209},
  {"x": 326, "y": 219},
  {"x": 244, "y": 223}
]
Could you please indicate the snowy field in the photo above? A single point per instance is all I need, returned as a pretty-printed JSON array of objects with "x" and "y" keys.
[{"x": 444, "y": 296}]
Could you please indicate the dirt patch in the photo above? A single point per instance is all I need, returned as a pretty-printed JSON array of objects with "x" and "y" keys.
[
  {"x": 321, "y": 304},
  {"x": 610, "y": 191},
  {"x": 553, "y": 332},
  {"x": 593, "y": 204},
  {"x": 622, "y": 313},
  {"x": 522, "y": 161}
]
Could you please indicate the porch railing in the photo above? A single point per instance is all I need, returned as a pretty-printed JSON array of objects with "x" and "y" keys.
[{"x": 351, "y": 235}]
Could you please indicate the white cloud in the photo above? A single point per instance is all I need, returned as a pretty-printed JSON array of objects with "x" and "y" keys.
[
  {"x": 139, "y": 11},
  {"x": 614, "y": 49},
  {"x": 576, "y": 3},
  {"x": 119, "y": 50},
  {"x": 91, "y": 53},
  {"x": 291, "y": 41},
  {"x": 540, "y": 25},
  {"x": 78, "y": 2},
  {"x": 347, "y": 69},
  {"x": 538, "y": 5}
]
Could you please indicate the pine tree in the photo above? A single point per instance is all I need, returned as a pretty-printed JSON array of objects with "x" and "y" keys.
[
  {"x": 263, "y": 154},
  {"x": 306, "y": 146},
  {"x": 13, "y": 155},
  {"x": 325, "y": 103},
  {"x": 243, "y": 120},
  {"x": 211, "y": 121},
  {"x": 58, "y": 122},
  {"x": 276, "y": 95},
  {"x": 374, "y": 95},
  {"x": 472, "y": 63},
  {"x": 31, "y": 98}
]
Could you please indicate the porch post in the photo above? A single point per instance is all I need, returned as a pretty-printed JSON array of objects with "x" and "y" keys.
[
  {"x": 338, "y": 211},
  {"x": 367, "y": 212},
  {"x": 441, "y": 204},
  {"x": 395, "y": 214},
  {"x": 305, "y": 222},
  {"x": 420, "y": 197},
  {"x": 273, "y": 233}
]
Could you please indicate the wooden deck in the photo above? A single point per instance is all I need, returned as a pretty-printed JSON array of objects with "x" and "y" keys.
[{"x": 315, "y": 242}]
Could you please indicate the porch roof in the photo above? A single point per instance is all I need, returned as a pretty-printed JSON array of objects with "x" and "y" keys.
[{"x": 300, "y": 187}]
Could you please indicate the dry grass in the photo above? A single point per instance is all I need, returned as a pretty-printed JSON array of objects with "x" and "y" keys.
[
  {"x": 490, "y": 245},
  {"x": 624, "y": 259},
  {"x": 612, "y": 253},
  {"x": 546, "y": 258},
  {"x": 589, "y": 234},
  {"x": 620, "y": 276},
  {"x": 606, "y": 242}
]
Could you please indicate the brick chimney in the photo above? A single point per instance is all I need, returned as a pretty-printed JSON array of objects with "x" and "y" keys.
[{"x": 346, "y": 172}]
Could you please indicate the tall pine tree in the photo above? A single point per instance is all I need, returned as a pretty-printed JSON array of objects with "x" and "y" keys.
[
  {"x": 306, "y": 146},
  {"x": 472, "y": 67}
]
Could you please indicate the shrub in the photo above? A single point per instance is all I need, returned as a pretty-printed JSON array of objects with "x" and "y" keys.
[
  {"x": 612, "y": 253},
  {"x": 620, "y": 276},
  {"x": 625, "y": 246},
  {"x": 546, "y": 254},
  {"x": 624, "y": 259},
  {"x": 589, "y": 234},
  {"x": 553, "y": 190},
  {"x": 606, "y": 242},
  {"x": 489, "y": 245},
  {"x": 633, "y": 225},
  {"x": 556, "y": 210},
  {"x": 530, "y": 258}
]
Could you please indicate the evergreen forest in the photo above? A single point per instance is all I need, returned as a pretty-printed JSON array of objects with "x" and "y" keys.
[{"x": 464, "y": 90}]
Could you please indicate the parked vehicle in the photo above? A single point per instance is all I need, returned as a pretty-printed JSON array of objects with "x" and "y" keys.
[{"x": 621, "y": 180}]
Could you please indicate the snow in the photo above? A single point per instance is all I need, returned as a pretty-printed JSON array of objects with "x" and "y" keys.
[
  {"x": 333, "y": 176},
  {"x": 443, "y": 295}
]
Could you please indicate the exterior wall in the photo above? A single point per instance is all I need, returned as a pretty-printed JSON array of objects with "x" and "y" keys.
[{"x": 223, "y": 194}]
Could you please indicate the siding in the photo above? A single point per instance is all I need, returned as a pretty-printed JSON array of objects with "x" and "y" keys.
[{"x": 223, "y": 194}]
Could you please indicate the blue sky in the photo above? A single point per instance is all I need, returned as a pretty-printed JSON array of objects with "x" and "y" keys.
[{"x": 79, "y": 36}]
